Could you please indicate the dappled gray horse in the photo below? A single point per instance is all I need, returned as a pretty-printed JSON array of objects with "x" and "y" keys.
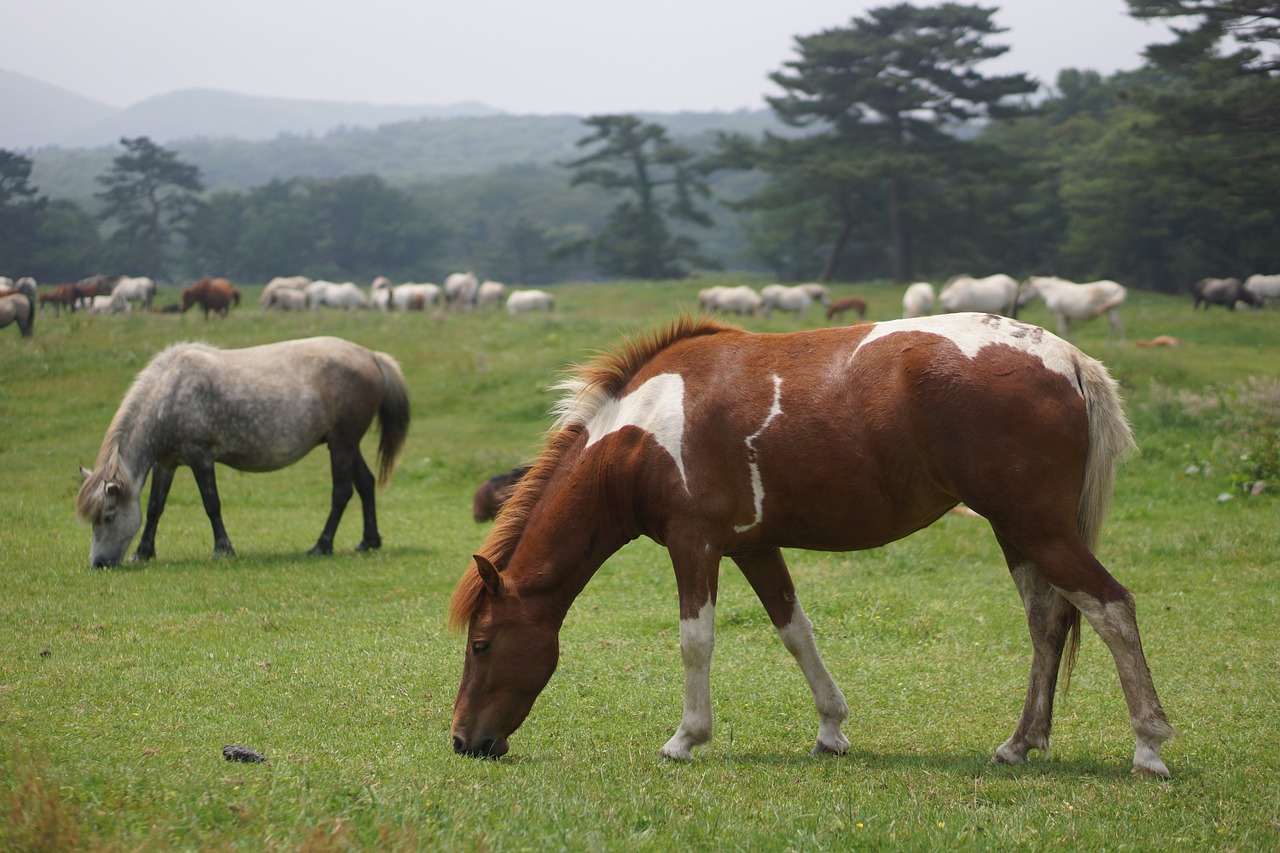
[{"x": 256, "y": 409}]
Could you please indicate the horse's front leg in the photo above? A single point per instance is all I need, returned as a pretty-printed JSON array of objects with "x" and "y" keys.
[
  {"x": 697, "y": 578},
  {"x": 161, "y": 480},
  {"x": 207, "y": 482},
  {"x": 767, "y": 573}
]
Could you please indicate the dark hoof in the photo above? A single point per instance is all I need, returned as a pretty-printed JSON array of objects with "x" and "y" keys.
[
  {"x": 226, "y": 551},
  {"x": 319, "y": 550},
  {"x": 823, "y": 749},
  {"x": 369, "y": 545},
  {"x": 142, "y": 556}
]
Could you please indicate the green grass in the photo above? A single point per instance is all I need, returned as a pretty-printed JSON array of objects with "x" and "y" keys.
[{"x": 118, "y": 689}]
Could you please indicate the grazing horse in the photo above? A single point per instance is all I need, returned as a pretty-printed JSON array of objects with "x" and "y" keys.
[
  {"x": 18, "y": 308},
  {"x": 495, "y": 492},
  {"x": 995, "y": 294},
  {"x": 1068, "y": 301},
  {"x": 1222, "y": 291},
  {"x": 257, "y": 409},
  {"x": 211, "y": 294},
  {"x": 345, "y": 295},
  {"x": 731, "y": 300},
  {"x": 848, "y": 303},
  {"x": 270, "y": 297},
  {"x": 141, "y": 290},
  {"x": 524, "y": 301},
  {"x": 718, "y": 442},
  {"x": 1265, "y": 288},
  {"x": 795, "y": 300},
  {"x": 460, "y": 289},
  {"x": 917, "y": 300},
  {"x": 491, "y": 293}
]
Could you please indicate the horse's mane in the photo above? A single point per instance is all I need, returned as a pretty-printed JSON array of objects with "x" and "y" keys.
[
  {"x": 584, "y": 390},
  {"x": 109, "y": 467}
]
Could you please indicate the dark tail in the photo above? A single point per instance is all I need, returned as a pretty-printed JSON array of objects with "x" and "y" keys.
[{"x": 393, "y": 416}]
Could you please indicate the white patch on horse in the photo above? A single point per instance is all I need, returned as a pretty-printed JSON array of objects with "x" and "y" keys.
[
  {"x": 757, "y": 485},
  {"x": 697, "y": 642},
  {"x": 657, "y": 407},
  {"x": 971, "y": 332}
]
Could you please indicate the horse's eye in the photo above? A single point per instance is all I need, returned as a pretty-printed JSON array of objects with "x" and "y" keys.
[
  {"x": 108, "y": 518},
  {"x": 479, "y": 646}
]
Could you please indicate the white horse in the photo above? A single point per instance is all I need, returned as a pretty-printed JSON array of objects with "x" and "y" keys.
[
  {"x": 795, "y": 300},
  {"x": 113, "y": 304},
  {"x": 1069, "y": 301},
  {"x": 918, "y": 300},
  {"x": 345, "y": 295},
  {"x": 140, "y": 289},
  {"x": 491, "y": 293},
  {"x": 524, "y": 301},
  {"x": 287, "y": 300},
  {"x": 415, "y": 297},
  {"x": 1265, "y": 288},
  {"x": 994, "y": 294},
  {"x": 460, "y": 290},
  {"x": 294, "y": 283},
  {"x": 817, "y": 292},
  {"x": 18, "y": 308},
  {"x": 731, "y": 300}
]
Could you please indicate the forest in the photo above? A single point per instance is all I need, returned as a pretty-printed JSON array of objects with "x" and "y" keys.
[{"x": 890, "y": 155}]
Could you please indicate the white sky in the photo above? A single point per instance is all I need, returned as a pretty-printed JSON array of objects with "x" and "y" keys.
[{"x": 522, "y": 56}]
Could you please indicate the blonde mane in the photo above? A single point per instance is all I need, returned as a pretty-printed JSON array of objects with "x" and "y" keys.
[
  {"x": 583, "y": 391},
  {"x": 109, "y": 467}
]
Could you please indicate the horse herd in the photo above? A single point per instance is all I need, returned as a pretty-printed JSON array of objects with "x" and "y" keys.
[{"x": 462, "y": 291}]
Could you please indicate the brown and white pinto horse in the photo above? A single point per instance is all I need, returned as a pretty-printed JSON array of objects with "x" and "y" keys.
[{"x": 718, "y": 442}]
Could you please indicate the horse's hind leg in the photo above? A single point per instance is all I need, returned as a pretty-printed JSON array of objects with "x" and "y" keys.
[
  {"x": 207, "y": 481},
  {"x": 1081, "y": 579},
  {"x": 341, "y": 466},
  {"x": 366, "y": 487},
  {"x": 767, "y": 573},
  {"x": 1050, "y": 618}
]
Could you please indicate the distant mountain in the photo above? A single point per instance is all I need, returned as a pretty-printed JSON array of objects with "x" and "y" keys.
[
  {"x": 404, "y": 153},
  {"x": 213, "y": 114},
  {"x": 33, "y": 113}
]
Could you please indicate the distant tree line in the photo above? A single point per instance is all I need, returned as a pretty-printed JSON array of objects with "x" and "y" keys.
[{"x": 900, "y": 159}]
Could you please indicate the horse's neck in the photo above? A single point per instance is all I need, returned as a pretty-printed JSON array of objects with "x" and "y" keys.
[{"x": 137, "y": 439}]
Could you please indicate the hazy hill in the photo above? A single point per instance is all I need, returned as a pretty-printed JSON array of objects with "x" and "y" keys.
[
  {"x": 403, "y": 153},
  {"x": 214, "y": 114},
  {"x": 34, "y": 113}
]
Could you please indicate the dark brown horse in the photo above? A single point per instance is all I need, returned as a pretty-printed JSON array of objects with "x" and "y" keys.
[
  {"x": 211, "y": 294},
  {"x": 1222, "y": 291},
  {"x": 495, "y": 492},
  {"x": 718, "y": 442}
]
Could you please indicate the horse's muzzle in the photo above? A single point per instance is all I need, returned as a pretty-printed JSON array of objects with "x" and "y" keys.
[{"x": 487, "y": 748}]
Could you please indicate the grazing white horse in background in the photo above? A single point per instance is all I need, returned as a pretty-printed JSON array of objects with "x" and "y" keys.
[
  {"x": 412, "y": 296},
  {"x": 113, "y": 304},
  {"x": 287, "y": 300},
  {"x": 994, "y": 294},
  {"x": 795, "y": 300},
  {"x": 460, "y": 290},
  {"x": 1069, "y": 301},
  {"x": 491, "y": 293},
  {"x": 524, "y": 301},
  {"x": 294, "y": 283},
  {"x": 731, "y": 300},
  {"x": 345, "y": 295},
  {"x": 1265, "y": 288},
  {"x": 918, "y": 300},
  {"x": 141, "y": 290},
  {"x": 817, "y": 292}
]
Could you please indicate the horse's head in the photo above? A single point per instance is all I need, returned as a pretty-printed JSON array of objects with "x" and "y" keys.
[
  {"x": 1029, "y": 290},
  {"x": 110, "y": 504},
  {"x": 512, "y": 651}
]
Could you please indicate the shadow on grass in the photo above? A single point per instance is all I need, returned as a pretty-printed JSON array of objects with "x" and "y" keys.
[{"x": 276, "y": 559}]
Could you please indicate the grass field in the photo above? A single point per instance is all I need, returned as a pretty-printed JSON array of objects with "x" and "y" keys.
[{"x": 119, "y": 688}]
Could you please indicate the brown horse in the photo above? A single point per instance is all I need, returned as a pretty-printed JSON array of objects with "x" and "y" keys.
[
  {"x": 848, "y": 303},
  {"x": 495, "y": 492},
  {"x": 211, "y": 294},
  {"x": 718, "y": 442}
]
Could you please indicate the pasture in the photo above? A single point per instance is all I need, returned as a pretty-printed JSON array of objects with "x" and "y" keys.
[{"x": 119, "y": 688}]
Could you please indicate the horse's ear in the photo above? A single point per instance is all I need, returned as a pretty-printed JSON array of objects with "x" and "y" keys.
[
  {"x": 489, "y": 574},
  {"x": 85, "y": 473}
]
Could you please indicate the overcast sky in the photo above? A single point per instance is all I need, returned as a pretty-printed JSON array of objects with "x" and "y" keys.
[{"x": 522, "y": 56}]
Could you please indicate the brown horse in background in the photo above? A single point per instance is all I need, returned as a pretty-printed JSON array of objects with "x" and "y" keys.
[
  {"x": 211, "y": 294},
  {"x": 495, "y": 492},
  {"x": 848, "y": 303},
  {"x": 718, "y": 442}
]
